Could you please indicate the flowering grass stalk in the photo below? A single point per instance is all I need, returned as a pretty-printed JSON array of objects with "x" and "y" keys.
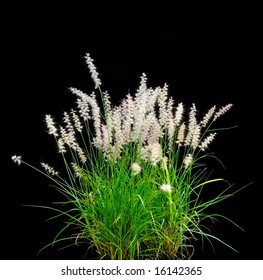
[{"x": 134, "y": 174}]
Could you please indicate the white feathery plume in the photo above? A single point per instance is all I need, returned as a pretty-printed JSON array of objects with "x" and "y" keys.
[
  {"x": 143, "y": 84},
  {"x": 151, "y": 130},
  {"x": 52, "y": 130},
  {"x": 136, "y": 169},
  {"x": 144, "y": 152},
  {"x": 164, "y": 162},
  {"x": 208, "y": 116},
  {"x": 76, "y": 120},
  {"x": 117, "y": 123},
  {"x": 181, "y": 134},
  {"x": 106, "y": 142},
  {"x": 68, "y": 123},
  {"x": 96, "y": 119},
  {"x": 152, "y": 95},
  {"x": 191, "y": 125},
  {"x": 179, "y": 114},
  {"x": 155, "y": 153},
  {"x": 83, "y": 106},
  {"x": 188, "y": 160},
  {"x": 166, "y": 188},
  {"x": 82, "y": 103},
  {"x": 78, "y": 92},
  {"x": 61, "y": 146},
  {"x": 207, "y": 141},
  {"x": 170, "y": 105},
  {"x": 81, "y": 154},
  {"x": 140, "y": 107},
  {"x": 49, "y": 169},
  {"x": 109, "y": 128},
  {"x": 155, "y": 132},
  {"x": 106, "y": 104},
  {"x": 162, "y": 106},
  {"x": 17, "y": 159},
  {"x": 196, "y": 136},
  {"x": 127, "y": 114},
  {"x": 170, "y": 120},
  {"x": 171, "y": 128},
  {"x": 146, "y": 128},
  {"x": 139, "y": 116},
  {"x": 174, "y": 123},
  {"x": 76, "y": 169},
  {"x": 93, "y": 70},
  {"x": 68, "y": 138},
  {"x": 222, "y": 111}
]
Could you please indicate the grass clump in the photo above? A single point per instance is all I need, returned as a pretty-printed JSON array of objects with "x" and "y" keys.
[{"x": 134, "y": 174}]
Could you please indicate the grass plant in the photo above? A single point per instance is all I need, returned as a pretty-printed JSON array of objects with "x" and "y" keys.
[{"x": 134, "y": 174}]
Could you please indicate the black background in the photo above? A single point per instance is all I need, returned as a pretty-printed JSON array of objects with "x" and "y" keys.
[{"x": 204, "y": 63}]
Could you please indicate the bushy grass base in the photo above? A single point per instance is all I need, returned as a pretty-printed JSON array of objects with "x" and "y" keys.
[{"x": 127, "y": 217}]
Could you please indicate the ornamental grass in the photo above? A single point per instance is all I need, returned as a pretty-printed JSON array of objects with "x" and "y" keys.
[{"x": 133, "y": 175}]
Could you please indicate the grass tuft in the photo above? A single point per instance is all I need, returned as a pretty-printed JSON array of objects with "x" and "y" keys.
[{"x": 134, "y": 175}]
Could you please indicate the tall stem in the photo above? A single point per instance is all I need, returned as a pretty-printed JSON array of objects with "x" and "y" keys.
[{"x": 169, "y": 194}]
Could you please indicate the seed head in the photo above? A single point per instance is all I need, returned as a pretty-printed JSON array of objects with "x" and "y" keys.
[
  {"x": 49, "y": 169},
  {"x": 52, "y": 130},
  {"x": 93, "y": 70},
  {"x": 136, "y": 169},
  {"x": 16, "y": 159},
  {"x": 222, "y": 111},
  {"x": 188, "y": 160},
  {"x": 166, "y": 188},
  {"x": 207, "y": 141}
]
